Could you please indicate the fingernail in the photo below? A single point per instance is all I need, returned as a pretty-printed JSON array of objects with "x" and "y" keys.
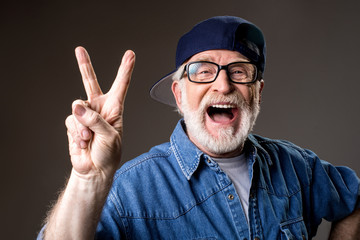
[
  {"x": 128, "y": 56},
  {"x": 80, "y": 52},
  {"x": 85, "y": 133},
  {"x": 83, "y": 144},
  {"x": 79, "y": 110}
]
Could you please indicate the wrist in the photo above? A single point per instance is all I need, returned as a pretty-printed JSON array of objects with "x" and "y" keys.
[
  {"x": 76, "y": 214},
  {"x": 94, "y": 183}
]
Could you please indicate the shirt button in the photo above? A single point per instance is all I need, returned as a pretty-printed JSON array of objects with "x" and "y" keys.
[
  {"x": 208, "y": 160},
  {"x": 256, "y": 238},
  {"x": 231, "y": 197}
]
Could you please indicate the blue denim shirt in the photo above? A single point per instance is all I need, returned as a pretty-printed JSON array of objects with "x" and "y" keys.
[{"x": 175, "y": 191}]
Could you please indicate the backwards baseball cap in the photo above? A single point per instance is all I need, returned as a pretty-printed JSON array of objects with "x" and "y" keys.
[{"x": 222, "y": 32}]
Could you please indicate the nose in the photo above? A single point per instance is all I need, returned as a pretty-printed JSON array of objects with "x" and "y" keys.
[{"x": 222, "y": 84}]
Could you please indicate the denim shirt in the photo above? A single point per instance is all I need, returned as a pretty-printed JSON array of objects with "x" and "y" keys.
[{"x": 175, "y": 191}]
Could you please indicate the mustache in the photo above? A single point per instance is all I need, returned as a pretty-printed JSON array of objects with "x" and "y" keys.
[{"x": 234, "y": 98}]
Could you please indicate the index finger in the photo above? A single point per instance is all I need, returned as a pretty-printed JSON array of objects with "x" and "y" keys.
[
  {"x": 123, "y": 77},
  {"x": 90, "y": 82}
]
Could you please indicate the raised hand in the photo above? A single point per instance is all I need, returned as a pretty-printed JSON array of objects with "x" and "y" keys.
[
  {"x": 95, "y": 127},
  {"x": 94, "y": 132}
]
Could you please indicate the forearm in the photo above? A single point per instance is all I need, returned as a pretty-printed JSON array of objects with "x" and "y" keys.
[
  {"x": 77, "y": 212},
  {"x": 347, "y": 228}
]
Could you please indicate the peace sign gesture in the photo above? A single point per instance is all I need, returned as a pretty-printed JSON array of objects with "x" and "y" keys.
[
  {"x": 95, "y": 127},
  {"x": 94, "y": 132}
]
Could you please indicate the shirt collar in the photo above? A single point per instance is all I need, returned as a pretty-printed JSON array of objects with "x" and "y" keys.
[
  {"x": 188, "y": 155},
  {"x": 255, "y": 148}
]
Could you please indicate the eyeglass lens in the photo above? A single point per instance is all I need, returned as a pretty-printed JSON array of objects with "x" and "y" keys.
[{"x": 207, "y": 71}]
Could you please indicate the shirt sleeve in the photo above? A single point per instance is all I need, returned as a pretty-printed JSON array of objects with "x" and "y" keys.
[
  {"x": 110, "y": 225},
  {"x": 334, "y": 190},
  {"x": 40, "y": 236}
]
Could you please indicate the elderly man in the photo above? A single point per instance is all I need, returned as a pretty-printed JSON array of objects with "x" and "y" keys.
[{"x": 213, "y": 180}]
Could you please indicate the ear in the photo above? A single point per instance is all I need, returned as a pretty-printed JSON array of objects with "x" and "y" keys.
[
  {"x": 262, "y": 83},
  {"x": 175, "y": 88}
]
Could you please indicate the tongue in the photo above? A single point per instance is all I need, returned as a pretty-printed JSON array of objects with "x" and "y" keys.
[{"x": 221, "y": 117}]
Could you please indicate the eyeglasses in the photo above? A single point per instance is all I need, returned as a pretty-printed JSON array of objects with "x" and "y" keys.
[{"x": 207, "y": 72}]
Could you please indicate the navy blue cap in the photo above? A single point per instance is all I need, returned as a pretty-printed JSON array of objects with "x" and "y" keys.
[{"x": 222, "y": 32}]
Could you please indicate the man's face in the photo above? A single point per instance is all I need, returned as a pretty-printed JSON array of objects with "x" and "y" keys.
[{"x": 218, "y": 115}]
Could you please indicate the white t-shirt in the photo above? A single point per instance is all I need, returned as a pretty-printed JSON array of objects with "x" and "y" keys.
[{"x": 237, "y": 168}]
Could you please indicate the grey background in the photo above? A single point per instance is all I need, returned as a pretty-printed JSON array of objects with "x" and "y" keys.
[{"x": 310, "y": 96}]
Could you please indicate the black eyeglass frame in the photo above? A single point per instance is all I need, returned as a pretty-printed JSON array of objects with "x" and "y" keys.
[{"x": 220, "y": 67}]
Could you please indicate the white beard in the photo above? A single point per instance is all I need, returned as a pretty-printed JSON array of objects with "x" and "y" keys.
[{"x": 229, "y": 138}]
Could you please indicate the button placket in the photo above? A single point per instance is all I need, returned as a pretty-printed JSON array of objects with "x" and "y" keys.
[
  {"x": 255, "y": 225},
  {"x": 236, "y": 210}
]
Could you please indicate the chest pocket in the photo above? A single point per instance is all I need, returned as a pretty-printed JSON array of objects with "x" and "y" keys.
[{"x": 293, "y": 230}]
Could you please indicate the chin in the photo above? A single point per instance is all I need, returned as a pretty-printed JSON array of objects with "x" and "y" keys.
[{"x": 228, "y": 139}]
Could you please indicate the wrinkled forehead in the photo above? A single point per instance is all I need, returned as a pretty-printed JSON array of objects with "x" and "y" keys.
[{"x": 219, "y": 56}]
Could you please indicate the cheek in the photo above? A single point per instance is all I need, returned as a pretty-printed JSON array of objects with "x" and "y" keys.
[
  {"x": 194, "y": 96},
  {"x": 253, "y": 93},
  {"x": 248, "y": 92}
]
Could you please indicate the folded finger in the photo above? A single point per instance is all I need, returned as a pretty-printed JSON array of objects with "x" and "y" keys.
[
  {"x": 74, "y": 147},
  {"x": 93, "y": 121},
  {"x": 80, "y": 135}
]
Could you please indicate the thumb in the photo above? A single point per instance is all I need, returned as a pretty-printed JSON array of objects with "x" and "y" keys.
[{"x": 92, "y": 119}]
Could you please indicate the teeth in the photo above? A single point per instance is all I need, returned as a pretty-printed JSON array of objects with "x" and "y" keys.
[{"x": 222, "y": 106}]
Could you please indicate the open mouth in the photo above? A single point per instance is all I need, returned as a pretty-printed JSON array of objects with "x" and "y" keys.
[{"x": 222, "y": 113}]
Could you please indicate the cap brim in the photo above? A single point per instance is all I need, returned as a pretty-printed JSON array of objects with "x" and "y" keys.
[{"x": 161, "y": 90}]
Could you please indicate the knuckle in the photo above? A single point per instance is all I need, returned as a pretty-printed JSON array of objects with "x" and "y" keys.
[
  {"x": 77, "y": 102},
  {"x": 94, "y": 118},
  {"x": 69, "y": 121}
]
